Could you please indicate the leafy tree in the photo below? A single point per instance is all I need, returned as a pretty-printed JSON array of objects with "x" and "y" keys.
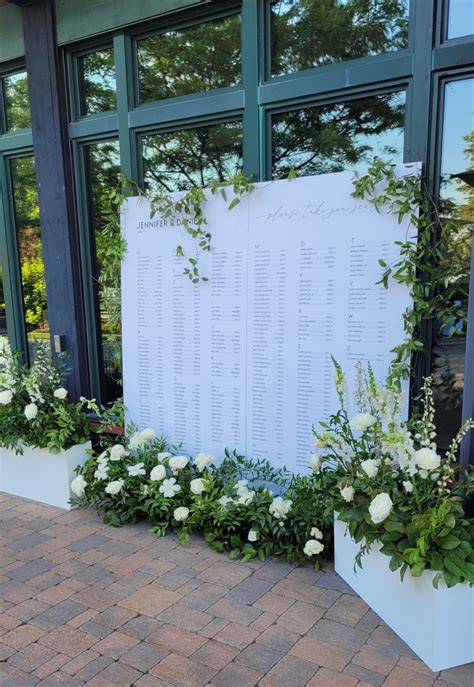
[{"x": 312, "y": 33}]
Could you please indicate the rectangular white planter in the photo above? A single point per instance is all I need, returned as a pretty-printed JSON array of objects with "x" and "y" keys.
[
  {"x": 437, "y": 624},
  {"x": 40, "y": 475}
]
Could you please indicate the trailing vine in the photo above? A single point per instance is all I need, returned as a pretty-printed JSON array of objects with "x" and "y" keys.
[
  {"x": 429, "y": 265},
  {"x": 189, "y": 206}
]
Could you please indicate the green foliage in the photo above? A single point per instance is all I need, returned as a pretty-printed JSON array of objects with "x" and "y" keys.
[
  {"x": 241, "y": 516},
  {"x": 393, "y": 489},
  {"x": 34, "y": 290},
  {"x": 34, "y": 409},
  {"x": 435, "y": 267}
]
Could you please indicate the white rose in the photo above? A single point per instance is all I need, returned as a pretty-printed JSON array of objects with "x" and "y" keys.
[
  {"x": 177, "y": 463},
  {"x": 136, "y": 470},
  {"x": 117, "y": 452},
  {"x": 370, "y": 467},
  {"x": 408, "y": 486},
  {"x": 136, "y": 440},
  {"x": 5, "y": 397},
  {"x": 60, "y": 393},
  {"x": 427, "y": 459},
  {"x": 158, "y": 473},
  {"x": 246, "y": 497},
  {"x": 347, "y": 493},
  {"x": 161, "y": 457},
  {"x": 313, "y": 547},
  {"x": 197, "y": 486},
  {"x": 148, "y": 434},
  {"x": 31, "y": 411},
  {"x": 253, "y": 535},
  {"x": 78, "y": 486},
  {"x": 316, "y": 533},
  {"x": 113, "y": 488},
  {"x": 180, "y": 514},
  {"x": 280, "y": 507},
  {"x": 224, "y": 500},
  {"x": 362, "y": 421},
  {"x": 204, "y": 460},
  {"x": 380, "y": 508},
  {"x": 315, "y": 461}
]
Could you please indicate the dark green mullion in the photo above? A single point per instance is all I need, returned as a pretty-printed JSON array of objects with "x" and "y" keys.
[
  {"x": 251, "y": 18},
  {"x": 86, "y": 266},
  {"x": 366, "y": 72},
  {"x": 197, "y": 106},
  {"x": 418, "y": 144},
  {"x": 94, "y": 125},
  {"x": 454, "y": 54},
  {"x": 10, "y": 264},
  {"x": 16, "y": 141},
  {"x": 125, "y": 79}
]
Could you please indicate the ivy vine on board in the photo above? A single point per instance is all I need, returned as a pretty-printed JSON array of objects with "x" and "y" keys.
[
  {"x": 435, "y": 266},
  {"x": 425, "y": 265}
]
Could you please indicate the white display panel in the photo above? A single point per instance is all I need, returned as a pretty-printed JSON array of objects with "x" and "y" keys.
[{"x": 243, "y": 360}]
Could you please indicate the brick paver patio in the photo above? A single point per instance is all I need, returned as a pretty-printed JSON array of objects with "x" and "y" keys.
[{"x": 85, "y": 604}]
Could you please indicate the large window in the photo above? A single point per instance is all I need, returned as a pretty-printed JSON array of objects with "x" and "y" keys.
[
  {"x": 27, "y": 220},
  {"x": 190, "y": 60},
  {"x": 345, "y": 135},
  {"x": 457, "y": 201},
  {"x": 103, "y": 169},
  {"x": 265, "y": 87},
  {"x": 193, "y": 157},
  {"x": 313, "y": 33}
]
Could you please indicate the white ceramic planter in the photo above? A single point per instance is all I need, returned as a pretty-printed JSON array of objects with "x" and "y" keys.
[
  {"x": 437, "y": 624},
  {"x": 40, "y": 475}
]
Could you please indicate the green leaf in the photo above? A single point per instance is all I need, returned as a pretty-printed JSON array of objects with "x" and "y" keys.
[
  {"x": 234, "y": 203},
  {"x": 449, "y": 542}
]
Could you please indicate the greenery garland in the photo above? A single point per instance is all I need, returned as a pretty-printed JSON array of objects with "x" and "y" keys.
[{"x": 424, "y": 265}]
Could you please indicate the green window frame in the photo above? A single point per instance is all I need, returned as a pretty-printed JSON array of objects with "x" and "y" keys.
[
  {"x": 416, "y": 69},
  {"x": 15, "y": 143}
]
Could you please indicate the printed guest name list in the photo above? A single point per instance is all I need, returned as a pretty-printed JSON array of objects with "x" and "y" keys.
[{"x": 243, "y": 360}]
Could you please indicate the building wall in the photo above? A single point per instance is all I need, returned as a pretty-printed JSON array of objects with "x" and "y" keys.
[{"x": 11, "y": 33}]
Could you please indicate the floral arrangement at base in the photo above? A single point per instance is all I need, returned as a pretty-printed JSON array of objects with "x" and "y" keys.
[
  {"x": 393, "y": 487},
  {"x": 245, "y": 508},
  {"x": 34, "y": 406}
]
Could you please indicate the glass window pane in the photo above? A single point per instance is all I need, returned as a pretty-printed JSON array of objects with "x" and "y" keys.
[
  {"x": 27, "y": 218},
  {"x": 312, "y": 33},
  {"x": 103, "y": 171},
  {"x": 178, "y": 160},
  {"x": 97, "y": 82},
  {"x": 460, "y": 18},
  {"x": 456, "y": 201},
  {"x": 17, "y": 104},
  {"x": 3, "y": 314},
  {"x": 332, "y": 138},
  {"x": 191, "y": 60}
]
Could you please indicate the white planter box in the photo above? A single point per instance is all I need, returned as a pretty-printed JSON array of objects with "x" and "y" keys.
[
  {"x": 40, "y": 475},
  {"x": 437, "y": 624}
]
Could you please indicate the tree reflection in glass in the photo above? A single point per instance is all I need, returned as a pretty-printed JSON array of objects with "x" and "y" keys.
[
  {"x": 97, "y": 84},
  {"x": 456, "y": 202},
  {"x": 27, "y": 218},
  {"x": 190, "y": 60},
  {"x": 17, "y": 103},
  {"x": 179, "y": 160},
  {"x": 312, "y": 33},
  {"x": 345, "y": 135},
  {"x": 103, "y": 171}
]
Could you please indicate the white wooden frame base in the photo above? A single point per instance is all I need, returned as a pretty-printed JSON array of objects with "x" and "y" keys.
[
  {"x": 437, "y": 624},
  {"x": 40, "y": 475}
]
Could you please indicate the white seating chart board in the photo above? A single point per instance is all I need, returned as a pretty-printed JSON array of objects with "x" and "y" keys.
[{"x": 243, "y": 360}]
